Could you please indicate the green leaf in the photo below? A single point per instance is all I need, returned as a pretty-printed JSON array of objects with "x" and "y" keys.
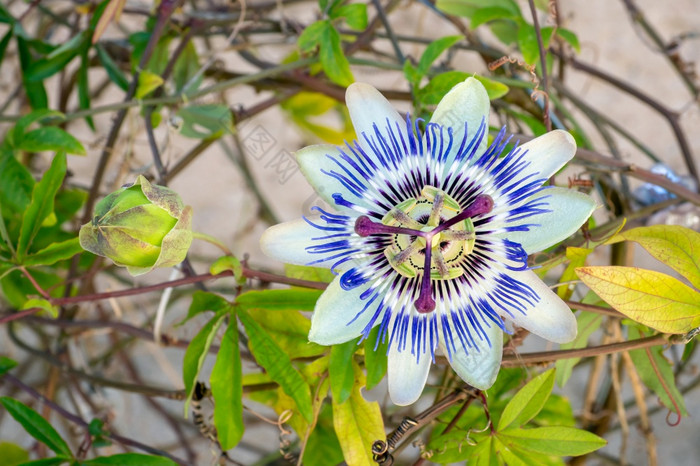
[
  {"x": 646, "y": 296},
  {"x": 485, "y": 15},
  {"x": 4, "y": 43},
  {"x": 277, "y": 364},
  {"x": 340, "y": 370},
  {"x": 303, "y": 272},
  {"x": 310, "y": 38},
  {"x": 674, "y": 245},
  {"x": 322, "y": 447},
  {"x": 186, "y": 68},
  {"x": 54, "y": 252},
  {"x": 358, "y": 423},
  {"x": 467, "y": 8},
  {"x": 355, "y": 15},
  {"x": 148, "y": 82},
  {"x": 290, "y": 331},
  {"x": 41, "y": 205},
  {"x": 130, "y": 459},
  {"x": 558, "y": 440},
  {"x": 205, "y": 301},
  {"x": 375, "y": 359},
  {"x": 441, "y": 84},
  {"x": 556, "y": 412},
  {"x": 57, "y": 59},
  {"x": 293, "y": 299},
  {"x": 657, "y": 373},
  {"x": 577, "y": 258},
  {"x": 228, "y": 263},
  {"x": 16, "y": 183},
  {"x": 35, "y": 425},
  {"x": 527, "y": 402},
  {"x": 49, "y": 461},
  {"x": 227, "y": 388},
  {"x": 527, "y": 40},
  {"x": 50, "y": 138},
  {"x": 84, "y": 87},
  {"x": 570, "y": 37},
  {"x": 205, "y": 121},
  {"x": 434, "y": 50},
  {"x": 12, "y": 454},
  {"x": 113, "y": 72},
  {"x": 6, "y": 364},
  {"x": 35, "y": 91},
  {"x": 333, "y": 60},
  {"x": 43, "y": 304},
  {"x": 587, "y": 322},
  {"x": 512, "y": 456},
  {"x": 42, "y": 116},
  {"x": 196, "y": 353}
]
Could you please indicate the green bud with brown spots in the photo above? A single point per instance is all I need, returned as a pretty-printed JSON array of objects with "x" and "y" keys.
[{"x": 140, "y": 227}]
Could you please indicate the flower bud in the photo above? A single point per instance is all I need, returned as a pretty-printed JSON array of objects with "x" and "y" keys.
[{"x": 141, "y": 227}]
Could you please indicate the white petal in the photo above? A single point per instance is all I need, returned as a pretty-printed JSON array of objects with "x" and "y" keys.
[
  {"x": 466, "y": 102},
  {"x": 332, "y": 321},
  {"x": 314, "y": 161},
  {"x": 549, "y": 318},
  {"x": 287, "y": 242},
  {"x": 479, "y": 368},
  {"x": 406, "y": 376},
  {"x": 548, "y": 153},
  {"x": 569, "y": 209},
  {"x": 367, "y": 106}
]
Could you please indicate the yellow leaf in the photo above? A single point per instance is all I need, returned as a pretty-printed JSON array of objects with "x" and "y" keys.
[
  {"x": 676, "y": 246},
  {"x": 651, "y": 298},
  {"x": 358, "y": 423},
  {"x": 577, "y": 258},
  {"x": 148, "y": 82}
]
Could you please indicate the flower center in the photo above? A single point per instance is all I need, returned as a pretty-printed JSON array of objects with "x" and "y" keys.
[{"x": 430, "y": 237}]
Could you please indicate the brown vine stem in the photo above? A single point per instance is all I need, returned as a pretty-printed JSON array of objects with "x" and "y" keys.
[
  {"x": 638, "y": 17},
  {"x": 517, "y": 360},
  {"x": 589, "y": 156},
  {"x": 543, "y": 65},
  {"x": 82, "y": 423},
  {"x": 669, "y": 115}
]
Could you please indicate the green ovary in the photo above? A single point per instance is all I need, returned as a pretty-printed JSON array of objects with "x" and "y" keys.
[{"x": 449, "y": 247}]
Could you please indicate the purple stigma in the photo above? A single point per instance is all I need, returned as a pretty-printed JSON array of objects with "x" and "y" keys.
[
  {"x": 483, "y": 204},
  {"x": 364, "y": 227},
  {"x": 425, "y": 302}
]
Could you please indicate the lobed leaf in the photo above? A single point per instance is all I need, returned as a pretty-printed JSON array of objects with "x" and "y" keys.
[
  {"x": 333, "y": 60},
  {"x": 646, "y": 296}
]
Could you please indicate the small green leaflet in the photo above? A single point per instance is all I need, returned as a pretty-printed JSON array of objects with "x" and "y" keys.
[
  {"x": 226, "y": 387},
  {"x": 277, "y": 364},
  {"x": 41, "y": 205},
  {"x": 196, "y": 353},
  {"x": 35, "y": 425},
  {"x": 557, "y": 440},
  {"x": 54, "y": 252},
  {"x": 340, "y": 370},
  {"x": 657, "y": 373},
  {"x": 527, "y": 402}
]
